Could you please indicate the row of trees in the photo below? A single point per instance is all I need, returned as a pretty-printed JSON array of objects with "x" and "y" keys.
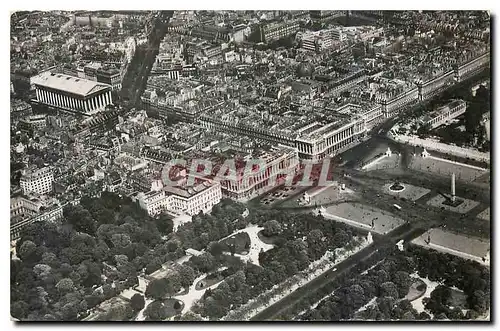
[
  {"x": 389, "y": 283},
  {"x": 225, "y": 218},
  {"x": 98, "y": 250},
  {"x": 299, "y": 240}
]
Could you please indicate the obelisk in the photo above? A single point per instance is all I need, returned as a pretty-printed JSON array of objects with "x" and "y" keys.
[{"x": 453, "y": 187}]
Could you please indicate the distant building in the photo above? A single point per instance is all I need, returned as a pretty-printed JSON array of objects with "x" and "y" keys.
[
  {"x": 276, "y": 31},
  {"x": 472, "y": 67},
  {"x": 33, "y": 122},
  {"x": 38, "y": 181},
  {"x": 444, "y": 114},
  {"x": 72, "y": 93}
]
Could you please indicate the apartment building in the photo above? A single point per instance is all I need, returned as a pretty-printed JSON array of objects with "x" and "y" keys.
[
  {"x": 276, "y": 31},
  {"x": 472, "y": 67},
  {"x": 38, "y": 181},
  {"x": 433, "y": 86}
]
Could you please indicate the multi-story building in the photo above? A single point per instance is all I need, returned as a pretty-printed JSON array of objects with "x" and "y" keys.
[
  {"x": 444, "y": 114},
  {"x": 274, "y": 166},
  {"x": 339, "y": 34},
  {"x": 154, "y": 202},
  {"x": 191, "y": 200},
  {"x": 276, "y": 31},
  {"x": 181, "y": 199},
  {"x": 27, "y": 210},
  {"x": 110, "y": 76},
  {"x": 428, "y": 89},
  {"x": 38, "y": 181},
  {"x": 33, "y": 122},
  {"x": 472, "y": 67},
  {"x": 320, "y": 15},
  {"x": 336, "y": 87},
  {"x": 318, "y": 140},
  {"x": 314, "y": 141},
  {"x": 372, "y": 116},
  {"x": 393, "y": 104},
  {"x": 212, "y": 33},
  {"x": 316, "y": 41},
  {"x": 72, "y": 93},
  {"x": 90, "y": 70}
]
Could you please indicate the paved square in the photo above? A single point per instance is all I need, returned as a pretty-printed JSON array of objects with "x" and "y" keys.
[
  {"x": 359, "y": 215},
  {"x": 459, "y": 245},
  {"x": 484, "y": 215},
  {"x": 388, "y": 162},
  {"x": 464, "y": 207},
  {"x": 445, "y": 168},
  {"x": 410, "y": 192}
]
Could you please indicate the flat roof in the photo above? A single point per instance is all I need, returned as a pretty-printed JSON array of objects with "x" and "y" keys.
[{"x": 70, "y": 84}]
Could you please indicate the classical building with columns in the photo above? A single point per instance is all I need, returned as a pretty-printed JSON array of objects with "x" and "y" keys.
[
  {"x": 72, "y": 93},
  {"x": 253, "y": 173},
  {"x": 338, "y": 131}
]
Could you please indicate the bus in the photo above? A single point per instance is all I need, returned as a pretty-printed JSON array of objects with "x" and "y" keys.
[{"x": 397, "y": 207}]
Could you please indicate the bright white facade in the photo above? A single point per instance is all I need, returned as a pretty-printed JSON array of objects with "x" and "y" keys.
[
  {"x": 180, "y": 200},
  {"x": 72, "y": 93},
  {"x": 38, "y": 181}
]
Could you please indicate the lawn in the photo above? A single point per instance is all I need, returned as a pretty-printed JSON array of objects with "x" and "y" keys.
[
  {"x": 457, "y": 299},
  {"x": 240, "y": 243}
]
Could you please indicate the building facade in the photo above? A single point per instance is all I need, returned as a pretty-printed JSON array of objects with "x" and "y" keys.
[
  {"x": 72, "y": 93},
  {"x": 434, "y": 86},
  {"x": 181, "y": 200},
  {"x": 38, "y": 181},
  {"x": 444, "y": 114},
  {"x": 392, "y": 106},
  {"x": 277, "y": 164},
  {"x": 276, "y": 31},
  {"x": 25, "y": 211},
  {"x": 472, "y": 67}
]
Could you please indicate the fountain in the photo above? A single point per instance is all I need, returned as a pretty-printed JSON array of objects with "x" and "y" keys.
[{"x": 396, "y": 187}]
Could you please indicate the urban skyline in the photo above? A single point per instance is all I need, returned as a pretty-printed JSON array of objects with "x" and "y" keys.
[{"x": 257, "y": 165}]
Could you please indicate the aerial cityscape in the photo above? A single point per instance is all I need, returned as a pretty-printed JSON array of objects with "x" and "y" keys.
[{"x": 312, "y": 165}]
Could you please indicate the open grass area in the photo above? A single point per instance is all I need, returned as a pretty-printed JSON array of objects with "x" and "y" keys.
[
  {"x": 457, "y": 299},
  {"x": 417, "y": 289},
  {"x": 238, "y": 243}
]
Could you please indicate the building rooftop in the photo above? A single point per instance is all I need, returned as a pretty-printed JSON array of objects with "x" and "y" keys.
[
  {"x": 70, "y": 84},
  {"x": 188, "y": 192}
]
